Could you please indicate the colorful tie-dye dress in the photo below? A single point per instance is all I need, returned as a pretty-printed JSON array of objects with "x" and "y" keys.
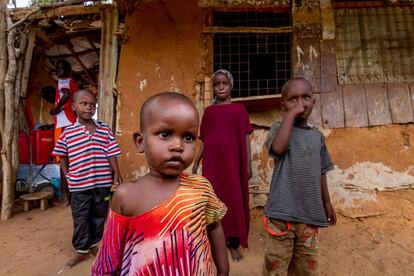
[{"x": 170, "y": 239}]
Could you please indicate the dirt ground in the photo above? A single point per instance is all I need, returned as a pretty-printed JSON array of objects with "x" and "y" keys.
[{"x": 39, "y": 242}]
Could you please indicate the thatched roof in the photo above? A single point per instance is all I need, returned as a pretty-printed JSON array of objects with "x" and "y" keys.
[{"x": 69, "y": 31}]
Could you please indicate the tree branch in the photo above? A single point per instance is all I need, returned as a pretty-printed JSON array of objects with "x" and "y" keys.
[{"x": 14, "y": 25}]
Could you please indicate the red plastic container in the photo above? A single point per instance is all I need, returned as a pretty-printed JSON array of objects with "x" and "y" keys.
[
  {"x": 23, "y": 144},
  {"x": 42, "y": 146}
]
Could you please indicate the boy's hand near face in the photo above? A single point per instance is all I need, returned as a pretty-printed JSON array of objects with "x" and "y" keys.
[
  {"x": 296, "y": 111},
  {"x": 281, "y": 140}
]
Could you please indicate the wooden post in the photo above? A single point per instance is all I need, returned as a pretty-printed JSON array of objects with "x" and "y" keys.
[
  {"x": 26, "y": 205},
  {"x": 307, "y": 33},
  {"x": 7, "y": 132},
  {"x": 23, "y": 41},
  {"x": 3, "y": 68},
  {"x": 14, "y": 70},
  {"x": 108, "y": 65},
  {"x": 28, "y": 61},
  {"x": 43, "y": 203},
  {"x": 329, "y": 77}
]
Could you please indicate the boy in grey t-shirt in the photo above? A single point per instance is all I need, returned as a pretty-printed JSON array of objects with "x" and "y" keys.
[{"x": 298, "y": 202}]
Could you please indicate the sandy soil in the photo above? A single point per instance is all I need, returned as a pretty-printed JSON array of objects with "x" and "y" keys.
[{"x": 39, "y": 242}]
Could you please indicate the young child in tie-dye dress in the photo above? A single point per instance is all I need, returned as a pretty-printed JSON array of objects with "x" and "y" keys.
[{"x": 167, "y": 222}]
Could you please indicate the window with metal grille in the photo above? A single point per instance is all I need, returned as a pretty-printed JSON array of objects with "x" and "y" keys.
[
  {"x": 375, "y": 45},
  {"x": 256, "y": 48}
]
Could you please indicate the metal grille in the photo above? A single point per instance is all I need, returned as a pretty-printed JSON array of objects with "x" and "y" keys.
[
  {"x": 375, "y": 45},
  {"x": 260, "y": 62}
]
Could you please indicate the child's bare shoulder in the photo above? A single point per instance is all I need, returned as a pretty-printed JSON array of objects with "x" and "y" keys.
[
  {"x": 125, "y": 189},
  {"x": 125, "y": 196}
]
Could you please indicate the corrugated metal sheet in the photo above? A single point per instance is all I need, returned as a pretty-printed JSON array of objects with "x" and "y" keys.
[{"x": 375, "y": 45}]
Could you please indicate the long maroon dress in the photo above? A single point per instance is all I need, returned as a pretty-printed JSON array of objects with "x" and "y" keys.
[{"x": 223, "y": 131}]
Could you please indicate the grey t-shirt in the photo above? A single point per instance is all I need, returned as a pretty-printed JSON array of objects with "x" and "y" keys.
[{"x": 295, "y": 192}]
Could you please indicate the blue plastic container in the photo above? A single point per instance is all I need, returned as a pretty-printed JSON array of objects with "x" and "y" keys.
[{"x": 56, "y": 183}]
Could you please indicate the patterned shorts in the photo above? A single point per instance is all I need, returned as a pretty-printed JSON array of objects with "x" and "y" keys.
[{"x": 291, "y": 248}]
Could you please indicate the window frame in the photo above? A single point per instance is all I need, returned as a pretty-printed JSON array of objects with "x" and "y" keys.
[{"x": 252, "y": 103}]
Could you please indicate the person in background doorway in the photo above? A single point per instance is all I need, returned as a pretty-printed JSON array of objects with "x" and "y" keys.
[
  {"x": 224, "y": 131},
  {"x": 66, "y": 87},
  {"x": 62, "y": 112}
]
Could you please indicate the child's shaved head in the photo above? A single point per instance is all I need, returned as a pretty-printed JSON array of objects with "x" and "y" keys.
[
  {"x": 287, "y": 87},
  {"x": 83, "y": 91},
  {"x": 168, "y": 96}
]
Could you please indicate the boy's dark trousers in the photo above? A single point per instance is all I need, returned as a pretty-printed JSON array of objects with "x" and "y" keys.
[{"x": 89, "y": 211}]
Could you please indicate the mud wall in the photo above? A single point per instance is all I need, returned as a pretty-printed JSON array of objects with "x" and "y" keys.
[
  {"x": 162, "y": 53},
  {"x": 369, "y": 160}
]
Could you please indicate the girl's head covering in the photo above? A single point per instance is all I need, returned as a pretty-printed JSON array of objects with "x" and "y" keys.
[{"x": 224, "y": 72}]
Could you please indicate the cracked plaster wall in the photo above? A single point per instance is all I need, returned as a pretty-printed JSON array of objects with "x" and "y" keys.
[{"x": 367, "y": 161}]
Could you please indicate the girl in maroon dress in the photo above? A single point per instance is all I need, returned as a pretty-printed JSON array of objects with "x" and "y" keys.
[{"x": 225, "y": 151}]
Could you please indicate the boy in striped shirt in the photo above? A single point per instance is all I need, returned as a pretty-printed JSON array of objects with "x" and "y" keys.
[
  {"x": 298, "y": 202},
  {"x": 88, "y": 152}
]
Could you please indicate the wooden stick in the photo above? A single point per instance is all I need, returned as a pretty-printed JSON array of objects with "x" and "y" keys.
[
  {"x": 14, "y": 25},
  {"x": 28, "y": 62}
]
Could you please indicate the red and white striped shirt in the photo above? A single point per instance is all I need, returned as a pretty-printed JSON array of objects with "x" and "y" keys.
[{"x": 88, "y": 155}]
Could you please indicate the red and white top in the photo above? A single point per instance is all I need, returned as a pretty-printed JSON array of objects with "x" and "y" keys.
[
  {"x": 88, "y": 155},
  {"x": 169, "y": 239},
  {"x": 66, "y": 115}
]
